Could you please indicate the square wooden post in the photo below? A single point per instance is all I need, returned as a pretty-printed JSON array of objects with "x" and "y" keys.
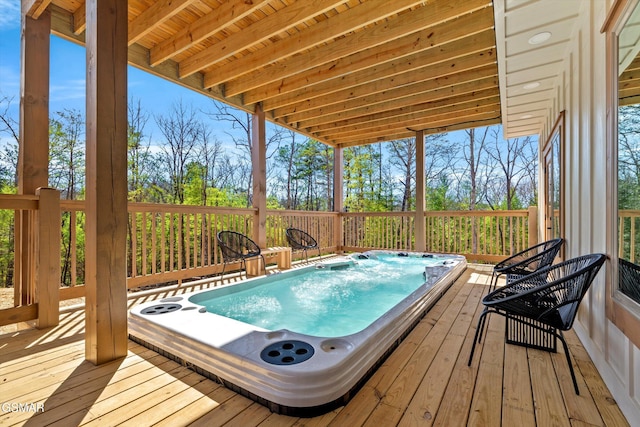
[
  {"x": 106, "y": 200},
  {"x": 338, "y": 199},
  {"x": 33, "y": 152},
  {"x": 420, "y": 220},
  {"x": 259, "y": 170},
  {"x": 47, "y": 270}
]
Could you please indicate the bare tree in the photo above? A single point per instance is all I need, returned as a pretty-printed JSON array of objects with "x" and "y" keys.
[
  {"x": 66, "y": 145},
  {"x": 514, "y": 162},
  {"x": 139, "y": 156},
  {"x": 242, "y": 136},
  {"x": 9, "y": 155},
  {"x": 403, "y": 156},
  {"x": 181, "y": 130}
]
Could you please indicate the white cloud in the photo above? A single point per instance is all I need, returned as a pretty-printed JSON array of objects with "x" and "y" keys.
[{"x": 9, "y": 14}]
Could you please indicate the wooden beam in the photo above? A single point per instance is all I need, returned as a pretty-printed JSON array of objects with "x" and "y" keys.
[
  {"x": 408, "y": 98},
  {"x": 453, "y": 105},
  {"x": 152, "y": 17},
  {"x": 33, "y": 150},
  {"x": 261, "y": 30},
  {"x": 429, "y": 128},
  {"x": 48, "y": 258},
  {"x": 420, "y": 220},
  {"x": 325, "y": 80},
  {"x": 106, "y": 182},
  {"x": 424, "y": 80},
  {"x": 35, "y": 8},
  {"x": 23, "y": 313},
  {"x": 345, "y": 22},
  {"x": 259, "y": 171},
  {"x": 401, "y": 36},
  {"x": 419, "y": 120},
  {"x": 80, "y": 19},
  {"x": 33, "y": 153},
  {"x": 338, "y": 196},
  {"x": 228, "y": 13}
]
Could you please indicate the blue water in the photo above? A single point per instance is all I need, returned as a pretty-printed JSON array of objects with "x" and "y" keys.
[{"x": 324, "y": 302}]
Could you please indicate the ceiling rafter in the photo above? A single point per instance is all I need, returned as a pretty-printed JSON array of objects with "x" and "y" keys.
[
  {"x": 362, "y": 15},
  {"x": 407, "y": 102},
  {"x": 227, "y": 14},
  {"x": 328, "y": 94},
  {"x": 463, "y": 103},
  {"x": 391, "y": 41},
  {"x": 316, "y": 85},
  {"x": 261, "y": 30},
  {"x": 344, "y": 72},
  {"x": 154, "y": 16}
]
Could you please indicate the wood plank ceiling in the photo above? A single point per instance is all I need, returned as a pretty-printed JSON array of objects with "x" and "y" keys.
[{"x": 346, "y": 72}]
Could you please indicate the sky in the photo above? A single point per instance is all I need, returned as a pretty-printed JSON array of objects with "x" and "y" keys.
[{"x": 67, "y": 78}]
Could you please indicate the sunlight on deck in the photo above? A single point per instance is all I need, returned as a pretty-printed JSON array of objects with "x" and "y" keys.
[{"x": 424, "y": 381}]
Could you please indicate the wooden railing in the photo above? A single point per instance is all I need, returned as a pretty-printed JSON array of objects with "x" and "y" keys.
[
  {"x": 478, "y": 235},
  {"x": 318, "y": 224},
  {"x": 168, "y": 243},
  {"x": 36, "y": 232},
  {"x": 629, "y": 235}
]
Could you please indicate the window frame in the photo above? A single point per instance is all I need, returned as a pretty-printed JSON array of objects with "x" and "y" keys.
[{"x": 621, "y": 310}]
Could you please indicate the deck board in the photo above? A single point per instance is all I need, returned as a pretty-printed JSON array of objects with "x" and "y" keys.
[{"x": 425, "y": 381}]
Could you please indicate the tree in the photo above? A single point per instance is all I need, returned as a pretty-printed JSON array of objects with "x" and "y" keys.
[
  {"x": 404, "y": 158},
  {"x": 515, "y": 163},
  {"x": 242, "y": 136},
  {"x": 181, "y": 130},
  {"x": 141, "y": 162},
  {"x": 66, "y": 147},
  {"x": 9, "y": 154}
]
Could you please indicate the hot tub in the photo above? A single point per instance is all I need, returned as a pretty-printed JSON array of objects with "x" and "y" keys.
[{"x": 310, "y": 356}]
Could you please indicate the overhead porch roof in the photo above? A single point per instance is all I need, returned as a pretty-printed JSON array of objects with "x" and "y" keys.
[
  {"x": 345, "y": 72},
  {"x": 351, "y": 72}
]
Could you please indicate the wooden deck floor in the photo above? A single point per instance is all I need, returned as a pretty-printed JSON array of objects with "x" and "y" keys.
[{"x": 425, "y": 381}]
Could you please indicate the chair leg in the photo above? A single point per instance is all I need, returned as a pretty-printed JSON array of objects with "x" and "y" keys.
[
  {"x": 224, "y": 265},
  {"x": 566, "y": 352},
  {"x": 476, "y": 337},
  {"x": 492, "y": 286}
]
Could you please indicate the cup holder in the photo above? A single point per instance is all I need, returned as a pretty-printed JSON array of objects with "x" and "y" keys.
[{"x": 287, "y": 352}]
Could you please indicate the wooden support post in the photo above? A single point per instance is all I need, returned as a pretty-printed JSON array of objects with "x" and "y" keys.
[
  {"x": 338, "y": 199},
  {"x": 420, "y": 220},
  {"x": 33, "y": 152},
  {"x": 47, "y": 270},
  {"x": 106, "y": 336},
  {"x": 259, "y": 170},
  {"x": 533, "y": 226}
]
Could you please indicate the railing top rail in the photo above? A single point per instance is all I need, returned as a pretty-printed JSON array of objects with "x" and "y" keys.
[
  {"x": 70, "y": 205},
  {"x": 510, "y": 213},
  {"x": 300, "y": 213},
  {"x": 24, "y": 201},
  {"x": 360, "y": 214},
  {"x": 629, "y": 212}
]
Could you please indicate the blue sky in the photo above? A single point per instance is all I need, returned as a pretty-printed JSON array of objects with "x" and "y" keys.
[{"x": 67, "y": 77}]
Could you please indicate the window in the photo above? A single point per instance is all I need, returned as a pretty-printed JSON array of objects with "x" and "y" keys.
[
  {"x": 623, "y": 56},
  {"x": 553, "y": 201}
]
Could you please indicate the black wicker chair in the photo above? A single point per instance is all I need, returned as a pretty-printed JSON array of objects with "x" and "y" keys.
[
  {"x": 546, "y": 301},
  {"x": 301, "y": 241},
  {"x": 526, "y": 262},
  {"x": 238, "y": 247},
  {"x": 629, "y": 279}
]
